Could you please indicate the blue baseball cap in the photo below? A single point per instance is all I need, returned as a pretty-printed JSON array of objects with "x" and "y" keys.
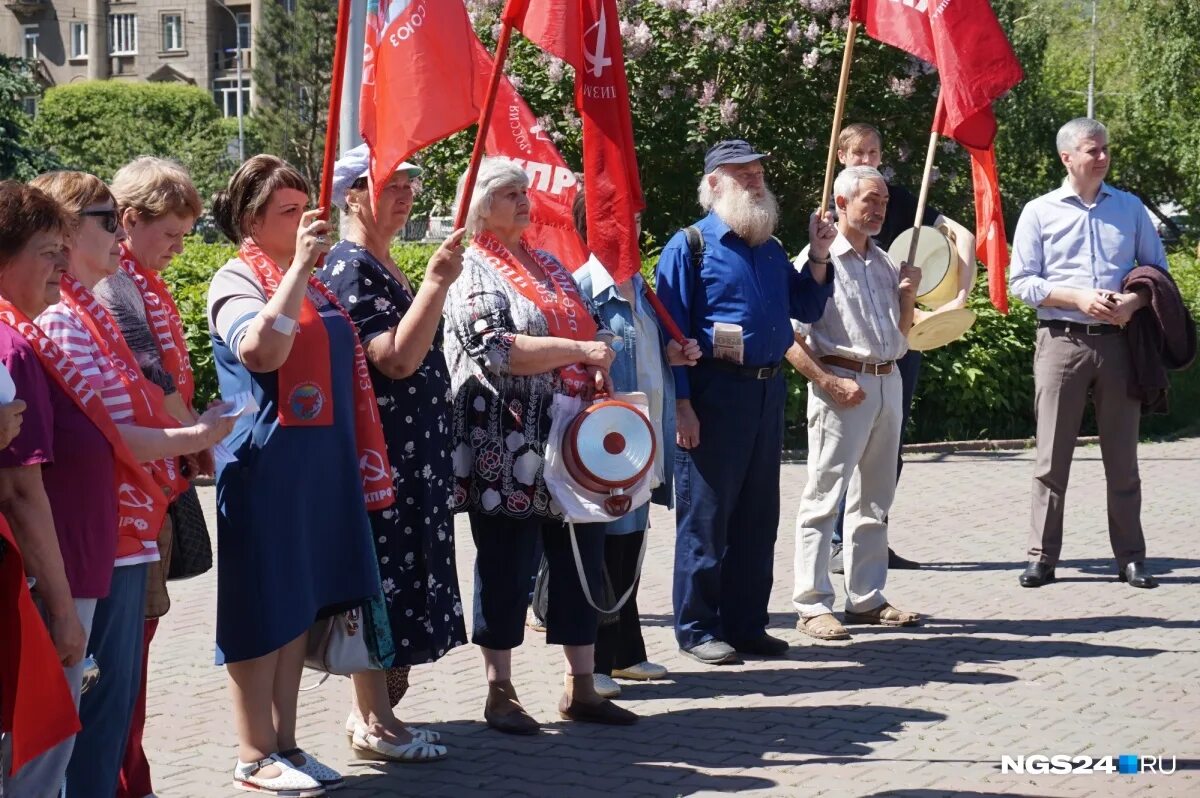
[
  {"x": 354, "y": 164},
  {"x": 731, "y": 151}
]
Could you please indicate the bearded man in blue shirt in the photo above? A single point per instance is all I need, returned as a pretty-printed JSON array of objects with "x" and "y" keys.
[{"x": 729, "y": 285}]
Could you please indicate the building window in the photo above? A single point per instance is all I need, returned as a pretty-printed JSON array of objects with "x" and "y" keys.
[
  {"x": 30, "y": 36},
  {"x": 122, "y": 34},
  {"x": 225, "y": 95},
  {"x": 29, "y": 105},
  {"x": 243, "y": 29},
  {"x": 172, "y": 32},
  {"x": 79, "y": 40}
]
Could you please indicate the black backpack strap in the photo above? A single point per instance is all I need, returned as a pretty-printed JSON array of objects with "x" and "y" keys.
[{"x": 695, "y": 242}]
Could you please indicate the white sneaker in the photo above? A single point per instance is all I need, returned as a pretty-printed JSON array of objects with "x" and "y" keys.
[
  {"x": 605, "y": 686},
  {"x": 290, "y": 783},
  {"x": 642, "y": 672}
]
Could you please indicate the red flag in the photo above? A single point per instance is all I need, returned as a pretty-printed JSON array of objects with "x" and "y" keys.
[
  {"x": 418, "y": 79},
  {"x": 516, "y": 134},
  {"x": 976, "y": 65},
  {"x": 902, "y": 25},
  {"x": 587, "y": 35},
  {"x": 990, "y": 244}
]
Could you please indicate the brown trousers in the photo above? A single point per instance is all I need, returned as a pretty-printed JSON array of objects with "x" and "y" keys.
[{"x": 1067, "y": 367}]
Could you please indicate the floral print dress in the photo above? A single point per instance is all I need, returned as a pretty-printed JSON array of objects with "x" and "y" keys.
[{"x": 414, "y": 539}]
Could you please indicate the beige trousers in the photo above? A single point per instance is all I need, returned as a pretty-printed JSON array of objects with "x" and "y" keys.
[
  {"x": 850, "y": 450},
  {"x": 1068, "y": 368}
]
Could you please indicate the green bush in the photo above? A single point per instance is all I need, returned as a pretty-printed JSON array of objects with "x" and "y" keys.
[
  {"x": 978, "y": 387},
  {"x": 99, "y": 126},
  {"x": 190, "y": 274}
]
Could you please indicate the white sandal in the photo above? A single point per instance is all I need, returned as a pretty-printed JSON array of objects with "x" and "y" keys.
[
  {"x": 419, "y": 735},
  {"x": 324, "y": 775},
  {"x": 374, "y": 748},
  {"x": 290, "y": 783}
]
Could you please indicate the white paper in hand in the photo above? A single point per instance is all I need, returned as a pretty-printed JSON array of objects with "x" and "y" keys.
[
  {"x": 240, "y": 404},
  {"x": 8, "y": 389}
]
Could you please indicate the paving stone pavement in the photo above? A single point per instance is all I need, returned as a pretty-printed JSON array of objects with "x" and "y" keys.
[{"x": 1085, "y": 666}]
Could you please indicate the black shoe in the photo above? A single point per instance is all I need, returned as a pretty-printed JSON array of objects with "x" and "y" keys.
[
  {"x": 1137, "y": 576},
  {"x": 713, "y": 652},
  {"x": 763, "y": 646},
  {"x": 898, "y": 563},
  {"x": 835, "y": 559},
  {"x": 1037, "y": 574}
]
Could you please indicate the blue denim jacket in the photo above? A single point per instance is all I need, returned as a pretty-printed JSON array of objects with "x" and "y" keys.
[{"x": 617, "y": 314}]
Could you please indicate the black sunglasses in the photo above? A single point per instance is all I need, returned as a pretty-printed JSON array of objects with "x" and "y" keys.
[{"x": 108, "y": 217}]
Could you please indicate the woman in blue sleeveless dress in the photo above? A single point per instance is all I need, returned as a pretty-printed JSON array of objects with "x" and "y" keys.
[{"x": 294, "y": 542}]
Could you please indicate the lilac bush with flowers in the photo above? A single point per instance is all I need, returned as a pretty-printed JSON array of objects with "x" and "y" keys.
[{"x": 703, "y": 70}]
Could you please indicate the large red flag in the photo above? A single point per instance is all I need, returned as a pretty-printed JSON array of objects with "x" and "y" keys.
[
  {"x": 419, "y": 79},
  {"x": 587, "y": 35},
  {"x": 515, "y": 133},
  {"x": 976, "y": 65}
]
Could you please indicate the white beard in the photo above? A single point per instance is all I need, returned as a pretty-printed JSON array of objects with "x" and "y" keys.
[{"x": 752, "y": 219}]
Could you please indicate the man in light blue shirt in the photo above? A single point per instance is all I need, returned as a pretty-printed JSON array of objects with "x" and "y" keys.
[{"x": 1071, "y": 253}]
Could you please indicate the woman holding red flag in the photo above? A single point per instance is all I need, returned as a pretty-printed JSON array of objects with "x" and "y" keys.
[
  {"x": 86, "y": 332},
  {"x": 294, "y": 539},
  {"x": 519, "y": 332}
]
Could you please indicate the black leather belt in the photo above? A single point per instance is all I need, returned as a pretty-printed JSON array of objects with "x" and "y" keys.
[
  {"x": 1079, "y": 328},
  {"x": 878, "y": 369},
  {"x": 751, "y": 372}
]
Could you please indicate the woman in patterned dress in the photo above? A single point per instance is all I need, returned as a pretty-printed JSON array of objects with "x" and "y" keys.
[
  {"x": 518, "y": 333},
  {"x": 414, "y": 540}
]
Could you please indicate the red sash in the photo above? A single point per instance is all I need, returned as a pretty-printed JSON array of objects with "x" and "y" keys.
[
  {"x": 148, "y": 407},
  {"x": 35, "y": 702},
  {"x": 562, "y": 305},
  {"x": 140, "y": 501},
  {"x": 165, "y": 323},
  {"x": 305, "y": 384}
]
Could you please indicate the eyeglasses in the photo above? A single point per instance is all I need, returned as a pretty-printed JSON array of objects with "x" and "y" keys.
[{"x": 108, "y": 218}]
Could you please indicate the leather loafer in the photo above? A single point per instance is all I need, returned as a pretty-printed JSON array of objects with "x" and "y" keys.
[
  {"x": 763, "y": 646},
  {"x": 1037, "y": 574},
  {"x": 1137, "y": 576},
  {"x": 605, "y": 712}
]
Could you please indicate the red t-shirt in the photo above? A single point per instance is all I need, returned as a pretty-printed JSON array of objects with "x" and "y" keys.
[{"x": 77, "y": 468}]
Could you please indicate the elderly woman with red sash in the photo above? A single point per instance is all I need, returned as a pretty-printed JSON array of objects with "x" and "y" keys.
[
  {"x": 64, "y": 519},
  {"x": 518, "y": 332},
  {"x": 86, "y": 332},
  {"x": 158, "y": 206},
  {"x": 294, "y": 539}
]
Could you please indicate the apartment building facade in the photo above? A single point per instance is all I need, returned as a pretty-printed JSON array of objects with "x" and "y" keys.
[{"x": 189, "y": 41}]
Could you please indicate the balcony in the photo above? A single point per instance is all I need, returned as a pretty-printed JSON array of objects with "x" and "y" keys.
[
  {"x": 27, "y": 8},
  {"x": 226, "y": 60}
]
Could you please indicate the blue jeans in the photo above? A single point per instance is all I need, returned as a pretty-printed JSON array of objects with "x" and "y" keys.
[
  {"x": 910, "y": 371},
  {"x": 106, "y": 710},
  {"x": 727, "y": 509}
]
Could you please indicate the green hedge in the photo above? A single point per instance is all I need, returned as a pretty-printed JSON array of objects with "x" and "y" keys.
[{"x": 978, "y": 387}]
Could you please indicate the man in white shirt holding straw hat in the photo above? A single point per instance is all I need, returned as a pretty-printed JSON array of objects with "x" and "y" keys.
[{"x": 852, "y": 446}]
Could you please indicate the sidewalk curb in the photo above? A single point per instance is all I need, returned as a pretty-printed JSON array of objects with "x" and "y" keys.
[{"x": 953, "y": 447}]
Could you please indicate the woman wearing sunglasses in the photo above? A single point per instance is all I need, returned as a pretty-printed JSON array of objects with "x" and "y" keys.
[{"x": 86, "y": 332}]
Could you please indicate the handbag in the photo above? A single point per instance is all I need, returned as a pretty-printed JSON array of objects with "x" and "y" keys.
[
  {"x": 541, "y": 593},
  {"x": 191, "y": 550},
  {"x": 338, "y": 645}
]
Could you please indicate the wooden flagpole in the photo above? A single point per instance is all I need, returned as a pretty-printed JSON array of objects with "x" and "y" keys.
[
  {"x": 839, "y": 108},
  {"x": 923, "y": 198},
  {"x": 333, "y": 117},
  {"x": 485, "y": 121}
]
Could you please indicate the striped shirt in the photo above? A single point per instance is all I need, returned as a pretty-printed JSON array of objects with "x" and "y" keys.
[{"x": 67, "y": 331}]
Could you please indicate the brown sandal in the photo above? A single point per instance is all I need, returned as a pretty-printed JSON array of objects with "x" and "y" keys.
[
  {"x": 823, "y": 627},
  {"x": 884, "y": 615}
]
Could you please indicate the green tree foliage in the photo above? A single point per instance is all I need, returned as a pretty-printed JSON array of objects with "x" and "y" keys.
[
  {"x": 100, "y": 126},
  {"x": 19, "y": 159},
  {"x": 293, "y": 70}
]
